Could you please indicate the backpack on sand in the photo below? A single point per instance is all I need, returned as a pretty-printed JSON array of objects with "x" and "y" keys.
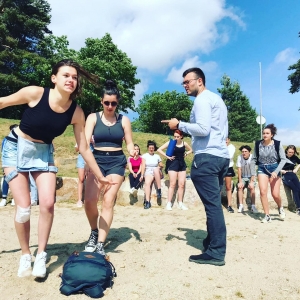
[{"x": 87, "y": 272}]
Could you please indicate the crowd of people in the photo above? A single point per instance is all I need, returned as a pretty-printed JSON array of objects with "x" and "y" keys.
[{"x": 27, "y": 156}]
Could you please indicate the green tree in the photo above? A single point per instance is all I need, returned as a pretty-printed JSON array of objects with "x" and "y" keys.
[
  {"x": 159, "y": 106},
  {"x": 241, "y": 116},
  {"x": 103, "y": 58},
  {"x": 294, "y": 78},
  {"x": 23, "y": 24}
]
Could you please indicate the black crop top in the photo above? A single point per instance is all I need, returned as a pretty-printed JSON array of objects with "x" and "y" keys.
[
  {"x": 290, "y": 167},
  {"x": 42, "y": 123},
  {"x": 108, "y": 136}
]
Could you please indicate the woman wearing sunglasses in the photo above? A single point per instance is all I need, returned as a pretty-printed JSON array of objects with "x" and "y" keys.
[
  {"x": 109, "y": 129},
  {"x": 270, "y": 158}
]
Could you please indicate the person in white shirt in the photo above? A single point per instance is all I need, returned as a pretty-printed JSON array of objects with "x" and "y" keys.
[
  {"x": 230, "y": 173},
  {"x": 152, "y": 171},
  {"x": 244, "y": 175}
]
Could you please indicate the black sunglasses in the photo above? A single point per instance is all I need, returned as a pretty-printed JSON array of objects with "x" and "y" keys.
[{"x": 113, "y": 103}]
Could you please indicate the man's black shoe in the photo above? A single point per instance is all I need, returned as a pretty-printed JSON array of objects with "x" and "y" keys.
[{"x": 206, "y": 259}]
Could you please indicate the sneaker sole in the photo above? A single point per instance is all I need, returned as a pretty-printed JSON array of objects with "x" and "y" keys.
[
  {"x": 208, "y": 262},
  {"x": 89, "y": 249},
  {"x": 38, "y": 275}
]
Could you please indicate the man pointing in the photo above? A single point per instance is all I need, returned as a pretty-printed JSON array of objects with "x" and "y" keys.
[{"x": 209, "y": 128}]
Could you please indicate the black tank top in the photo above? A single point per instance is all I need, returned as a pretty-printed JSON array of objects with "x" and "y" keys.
[
  {"x": 179, "y": 152},
  {"x": 108, "y": 136},
  {"x": 42, "y": 123}
]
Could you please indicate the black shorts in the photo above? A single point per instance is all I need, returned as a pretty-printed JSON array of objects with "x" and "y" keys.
[
  {"x": 175, "y": 165},
  {"x": 230, "y": 172},
  {"x": 111, "y": 162}
]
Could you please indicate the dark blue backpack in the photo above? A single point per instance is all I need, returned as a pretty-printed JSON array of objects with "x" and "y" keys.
[{"x": 87, "y": 272}]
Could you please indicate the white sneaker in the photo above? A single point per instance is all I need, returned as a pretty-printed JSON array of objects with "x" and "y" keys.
[
  {"x": 254, "y": 210},
  {"x": 169, "y": 206},
  {"x": 79, "y": 203},
  {"x": 39, "y": 267},
  {"x": 266, "y": 219},
  {"x": 25, "y": 266},
  {"x": 3, "y": 202},
  {"x": 281, "y": 213},
  {"x": 182, "y": 206},
  {"x": 12, "y": 203},
  {"x": 241, "y": 208}
]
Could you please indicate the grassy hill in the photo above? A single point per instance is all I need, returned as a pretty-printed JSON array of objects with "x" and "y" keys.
[{"x": 64, "y": 146}]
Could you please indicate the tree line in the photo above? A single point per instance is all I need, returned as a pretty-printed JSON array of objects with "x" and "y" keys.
[{"x": 28, "y": 50}]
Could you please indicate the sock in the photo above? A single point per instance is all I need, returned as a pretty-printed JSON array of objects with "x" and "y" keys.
[
  {"x": 241, "y": 205},
  {"x": 95, "y": 231},
  {"x": 252, "y": 205}
]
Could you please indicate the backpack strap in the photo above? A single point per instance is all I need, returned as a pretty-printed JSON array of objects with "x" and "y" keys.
[
  {"x": 257, "y": 150},
  {"x": 277, "y": 145},
  {"x": 95, "y": 291}
]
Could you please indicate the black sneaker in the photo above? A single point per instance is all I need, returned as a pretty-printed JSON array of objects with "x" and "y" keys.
[
  {"x": 92, "y": 242},
  {"x": 147, "y": 205},
  {"x": 100, "y": 248},
  {"x": 230, "y": 209},
  {"x": 298, "y": 211}
]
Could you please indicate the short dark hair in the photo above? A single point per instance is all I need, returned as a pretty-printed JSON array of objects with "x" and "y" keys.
[
  {"x": 272, "y": 128},
  {"x": 152, "y": 143},
  {"x": 197, "y": 71},
  {"x": 245, "y": 147}
]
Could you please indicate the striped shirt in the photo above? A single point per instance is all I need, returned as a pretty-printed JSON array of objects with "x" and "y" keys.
[{"x": 245, "y": 165}]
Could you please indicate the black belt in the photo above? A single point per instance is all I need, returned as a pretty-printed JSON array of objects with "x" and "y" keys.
[
  {"x": 12, "y": 139},
  {"x": 108, "y": 153}
]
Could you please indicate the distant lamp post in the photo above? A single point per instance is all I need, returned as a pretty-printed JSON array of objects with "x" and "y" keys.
[{"x": 260, "y": 120}]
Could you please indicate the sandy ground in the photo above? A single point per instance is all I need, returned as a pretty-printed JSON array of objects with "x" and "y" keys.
[{"x": 150, "y": 250}]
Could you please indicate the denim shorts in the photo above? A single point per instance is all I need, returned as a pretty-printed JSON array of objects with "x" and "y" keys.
[
  {"x": 177, "y": 165},
  {"x": 80, "y": 162},
  {"x": 111, "y": 162},
  {"x": 230, "y": 172},
  {"x": 26, "y": 156},
  {"x": 267, "y": 169}
]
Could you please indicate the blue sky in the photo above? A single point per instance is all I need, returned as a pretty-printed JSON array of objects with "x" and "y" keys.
[{"x": 165, "y": 37}]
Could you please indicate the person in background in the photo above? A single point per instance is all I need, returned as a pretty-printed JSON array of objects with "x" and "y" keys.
[
  {"x": 230, "y": 173},
  {"x": 176, "y": 168},
  {"x": 289, "y": 174},
  {"x": 29, "y": 148},
  {"x": 135, "y": 165},
  {"x": 244, "y": 178},
  {"x": 152, "y": 172},
  {"x": 109, "y": 129},
  {"x": 270, "y": 158},
  {"x": 5, "y": 186}
]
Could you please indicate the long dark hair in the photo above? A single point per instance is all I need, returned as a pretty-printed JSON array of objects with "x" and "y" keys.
[
  {"x": 293, "y": 148},
  {"x": 110, "y": 88},
  {"x": 80, "y": 73}
]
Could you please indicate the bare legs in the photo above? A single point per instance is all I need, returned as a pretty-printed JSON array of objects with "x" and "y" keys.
[
  {"x": 20, "y": 189},
  {"x": 80, "y": 186},
  {"x": 92, "y": 194},
  {"x": 263, "y": 181}
]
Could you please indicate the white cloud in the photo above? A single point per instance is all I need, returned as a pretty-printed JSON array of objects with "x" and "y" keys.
[
  {"x": 155, "y": 34},
  {"x": 287, "y": 56},
  {"x": 175, "y": 75},
  {"x": 289, "y": 136}
]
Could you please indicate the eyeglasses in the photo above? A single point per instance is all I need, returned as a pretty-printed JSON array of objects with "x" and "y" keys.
[
  {"x": 108, "y": 103},
  {"x": 187, "y": 82}
]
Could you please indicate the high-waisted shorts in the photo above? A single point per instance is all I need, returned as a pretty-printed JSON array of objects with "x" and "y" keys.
[
  {"x": 26, "y": 156},
  {"x": 177, "y": 165},
  {"x": 267, "y": 169},
  {"x": 111, "y": 162}
]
